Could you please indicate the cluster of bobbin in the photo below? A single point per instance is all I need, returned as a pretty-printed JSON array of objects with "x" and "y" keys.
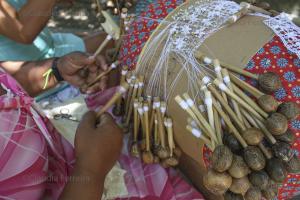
[
  {"x": 249, "y": 136},
  {"x": 146, "y": 117}
]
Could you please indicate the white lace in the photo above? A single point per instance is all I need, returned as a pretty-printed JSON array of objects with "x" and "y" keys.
[
  {"x": 194, "y": 24},
  {"x": 288, "y": 32}
]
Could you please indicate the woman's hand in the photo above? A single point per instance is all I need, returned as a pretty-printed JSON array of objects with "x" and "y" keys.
[
  {"x": 71, "y": 65},
  {"x": 97, "y": 146}
]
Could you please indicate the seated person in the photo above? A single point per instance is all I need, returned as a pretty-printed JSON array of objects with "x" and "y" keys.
[
  {"x": 24, "y": 36},
  {"x": 28, "y": 150}
]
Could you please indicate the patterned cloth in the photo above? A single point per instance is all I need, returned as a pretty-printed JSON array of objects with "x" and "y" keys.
[
  {"x": 33, "y": 156},
  {"x": 272, "y": 57}
]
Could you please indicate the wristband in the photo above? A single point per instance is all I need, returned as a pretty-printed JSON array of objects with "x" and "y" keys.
[{"x": 55, "y": 70}]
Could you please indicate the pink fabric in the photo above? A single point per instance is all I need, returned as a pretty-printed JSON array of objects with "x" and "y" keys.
[
  {"x": 35, "y": 159},
  {"x": 31, "y": 157},
  {"x": 147, "y": 181}
]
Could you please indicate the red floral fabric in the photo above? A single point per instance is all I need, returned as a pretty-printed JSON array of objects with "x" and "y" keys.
[{"x": 273, "y": 56}]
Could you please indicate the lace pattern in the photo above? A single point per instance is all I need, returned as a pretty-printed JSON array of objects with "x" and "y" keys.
[
  {"x": 194, "y": 24},
  {"x": 288, "y": 32}
]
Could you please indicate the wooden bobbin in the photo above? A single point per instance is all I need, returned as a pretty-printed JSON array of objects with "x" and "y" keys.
[
  {"x": 223, "y": 87},
  {"x": 148, "y": 157},
  {"x": 198, "y": 134},
  {"x": 130, "y": 107},
  {"x": 250, "y": 101},
  {"x": 227, "y": 81},
  {"x": 201, "y": 119},
  {"x": 226, "y": 106},
  {"x": 131, "y": 81},
  {"x": 135, "y": 148},
  {"x": 171, "y": 161},
  {"x": 255, "y": 8},
  {"x": 122, "y": 90},
  {"x": 118, "y": 108},
  {"x": 245, "y": 86},
  {"x": 103, "y": 45},
  {"x": 98, "y": 78},
  {"x": 238, "y": 15},
  {"x": 218, "y": 71},
  {"x": 163, "y": 152},
  {"x": 230, "y": 125},
  {"x": 236, "y": 69}
]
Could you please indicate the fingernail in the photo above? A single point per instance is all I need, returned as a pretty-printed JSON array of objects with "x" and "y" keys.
[{"x": 89, "y": 92}]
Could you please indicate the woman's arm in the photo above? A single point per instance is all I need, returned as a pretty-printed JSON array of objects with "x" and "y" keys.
[
  {"x": 23, "y": 26},
  {"x": 30, "y": 74}
]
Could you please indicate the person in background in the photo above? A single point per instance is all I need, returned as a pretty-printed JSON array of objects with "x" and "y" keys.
[
  {"x": 24, "y": 36},
  {"x": 30, "y": 153}
]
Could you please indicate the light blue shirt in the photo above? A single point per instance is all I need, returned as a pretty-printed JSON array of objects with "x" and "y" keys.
[{"x": 46, "y": 44}]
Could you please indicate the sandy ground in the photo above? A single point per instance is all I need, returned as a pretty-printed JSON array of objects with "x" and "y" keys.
[{"x": 81, "y": 18}]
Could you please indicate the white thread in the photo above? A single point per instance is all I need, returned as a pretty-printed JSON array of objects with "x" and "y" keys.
[
  {"x": 205, "y": 80},
  {"x": 124, "y": 72},
  {"x": 207, "y": 60},
  {"x": 141, "y": 111},
  {"x": 190, "y": 102},
  {"x": 183, "y": 105},
  {"x": 202, "y": 108},
  {"x": 163, "y": 109},
  {"x": 208, "y": 102},
  {"x": 193, "y": 123},
  {"x": 146, "y": 108},
  {"x": 141, "y": 84},
  {"x": 168, "y": 124},
  {"x": 156, "y": 105},
  {"x": 203, "y": 88},
  {"x": 218, "y": 69},
  {"x": 233, "y": 18},
  {"x": 132, "y": 85},
  {"x": 123, "y": 15},
  {"x": 135, "y": 105},
  {"x": 197, "y": 133},
  {"x": 245, "y": 5},
  {"x": 113, "y": 66},
  {"x": 109, "y": 37},
  {"x": 155, "y": 121},
  {"x": 222, "y": 87},
  {"x": 136, "y": 86},
  {"x": 122, "y": 90},
  {"x": 226, "y": 79}
]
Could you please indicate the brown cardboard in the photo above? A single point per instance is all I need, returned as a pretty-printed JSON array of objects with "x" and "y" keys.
[{"x": 236, "y": 44}]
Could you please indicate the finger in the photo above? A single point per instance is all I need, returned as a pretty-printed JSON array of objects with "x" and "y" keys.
[
  {"x": 101, "y": 62},
  {"x": 88, "y": 120},
  {"x": 93, "y": 68},
  {"x": 106, "y": 118},
  {"x": 93, "y": 89},
  {"x": 83, "y": 88},
  {"x": 76, "y": 81},
  {"x": 79, "y": 60},
  {"x": 103, "y": 83},
  {"x": 83, "y": 73}
]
